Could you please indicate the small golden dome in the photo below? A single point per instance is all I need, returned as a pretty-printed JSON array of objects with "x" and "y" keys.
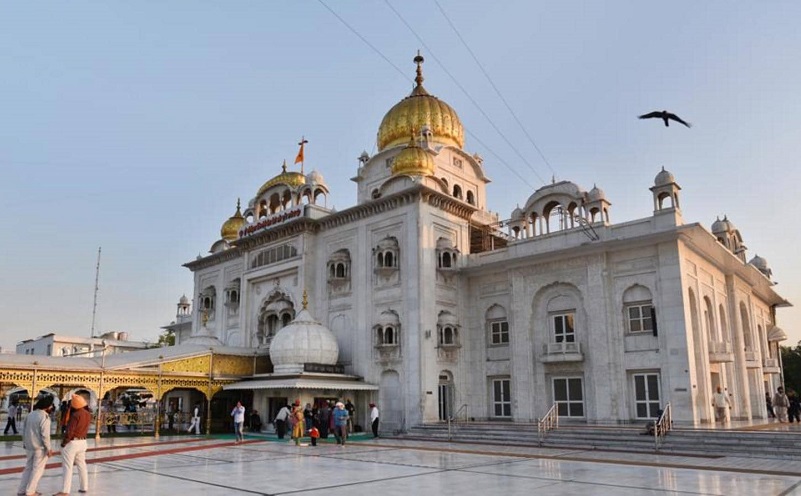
[
  {"x": 413, "y": 161},
  {"x": 291, "y": 179},
  {"x": 230, "y": 228},
  {"x": 420, "y": 110}
]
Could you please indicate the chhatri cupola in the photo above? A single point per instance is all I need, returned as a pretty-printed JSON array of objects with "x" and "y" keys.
[
  {"x": 230, "y": 228},
  {"x": 421, "y": 112},
  {"x": 413, "y": 161},
  {"x": 302, "y": 341}
]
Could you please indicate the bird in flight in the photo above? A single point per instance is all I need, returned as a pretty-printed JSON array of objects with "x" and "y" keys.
[{"x": 665, "y": 116}]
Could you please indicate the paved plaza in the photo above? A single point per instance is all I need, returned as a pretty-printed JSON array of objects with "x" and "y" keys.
[{"x": 264, "y": 466}]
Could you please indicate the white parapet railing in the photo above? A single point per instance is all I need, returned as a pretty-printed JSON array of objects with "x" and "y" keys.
[
  {"x": 453, "y": 420},
  {"x": 662, "y": 426},
  {"x": 548, "y": 423}
]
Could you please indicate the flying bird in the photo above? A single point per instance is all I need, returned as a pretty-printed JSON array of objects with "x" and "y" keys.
[{"x": 665, "y": 116}]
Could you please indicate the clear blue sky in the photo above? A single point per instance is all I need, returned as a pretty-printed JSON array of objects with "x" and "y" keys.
[{"x": 136, "y": 125}]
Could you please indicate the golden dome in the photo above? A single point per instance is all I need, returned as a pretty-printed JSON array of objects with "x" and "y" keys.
[
  {"x": 418, "y": 111},
  {"x": 291, "y": 179},
  {"x": 413, "y": 161},
  {"x": 230, "y": 228}
]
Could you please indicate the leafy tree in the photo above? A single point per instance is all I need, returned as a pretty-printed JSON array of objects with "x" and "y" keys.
[
  {"x": 168, "y": 337},
  {"x": 791, "y": 360}
]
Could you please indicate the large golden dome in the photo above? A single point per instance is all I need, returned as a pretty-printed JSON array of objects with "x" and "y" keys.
[
  {"x": 289, "y": 178},
  {"x": 230, "y": 228},
  {"x": 417, "y": 111},
  {"x": 413, "y": 161}
]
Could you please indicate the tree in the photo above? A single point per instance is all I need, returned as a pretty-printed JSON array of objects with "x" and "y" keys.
[
  {"x": 167, "y": 338},
  {"x": 791, "y": 360}
]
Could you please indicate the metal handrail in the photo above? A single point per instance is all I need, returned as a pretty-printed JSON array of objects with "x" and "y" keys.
[
  {"x": 662, "y": 426},
  {"x": 453, "y": 418},
  {"x": 548, "y": 423}
]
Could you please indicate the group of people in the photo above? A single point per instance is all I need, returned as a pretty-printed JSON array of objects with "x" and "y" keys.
[
  {"x": 36, "y": 442},
  {"x": 784, "y": 407},
  {"x": 320, "y": 420}
]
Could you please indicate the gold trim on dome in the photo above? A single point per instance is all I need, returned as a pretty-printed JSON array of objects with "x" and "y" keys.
[
  {"x": 289, "y": 178},
  {"x": 230, "y": 228},
  {"x": 419, "y": 110}
]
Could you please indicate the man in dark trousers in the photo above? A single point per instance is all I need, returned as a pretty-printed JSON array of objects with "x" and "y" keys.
[{"x": 11, "y": 423}]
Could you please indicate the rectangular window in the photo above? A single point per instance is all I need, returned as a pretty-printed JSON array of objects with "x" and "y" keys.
[
  {"x": 568, "y": 394},
  {"x": 563, "y": 330},
  {"x": 499, "y": 332},
  {"x": 646, "y": 395},
  {"x": 639, "y": 316},
  {"x": 501, "y": 398}
]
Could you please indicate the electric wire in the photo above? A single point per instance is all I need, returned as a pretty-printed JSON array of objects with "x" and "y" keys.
[
  {"x": 494, "y": 87},
  {"x": 376, "y": 50},
  {"x": 472, "y": 135},
  {"x": 467, "y": 94}
]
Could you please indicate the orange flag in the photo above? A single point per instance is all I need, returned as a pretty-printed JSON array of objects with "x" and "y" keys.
[{"x": 299, "y": 158}]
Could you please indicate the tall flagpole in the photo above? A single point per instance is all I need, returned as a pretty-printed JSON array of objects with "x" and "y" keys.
[{"x": 97, "y": 287}]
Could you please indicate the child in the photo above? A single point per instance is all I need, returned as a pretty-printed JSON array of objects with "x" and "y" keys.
[{"x": 314, "y": 433}]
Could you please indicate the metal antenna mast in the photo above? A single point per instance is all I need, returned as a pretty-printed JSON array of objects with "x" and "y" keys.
[{"x": 97, "y": 286}]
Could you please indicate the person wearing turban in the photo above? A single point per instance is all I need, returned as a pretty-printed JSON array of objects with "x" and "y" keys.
[{"x": 73, "y": 445}]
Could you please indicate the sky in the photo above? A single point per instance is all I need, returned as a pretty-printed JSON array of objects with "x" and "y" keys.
[{"x": 135, "y": 126}]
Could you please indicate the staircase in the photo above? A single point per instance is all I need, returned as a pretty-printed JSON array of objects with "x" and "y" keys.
[{"x": 693, "y": 442}]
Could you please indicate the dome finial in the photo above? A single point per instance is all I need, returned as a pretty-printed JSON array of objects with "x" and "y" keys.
[
  {"x": 305, "y": 299},
  {"x": 238, "y": 206},
  {"x": 419, "y": 61},
  {"x": 283, "y": 167}
]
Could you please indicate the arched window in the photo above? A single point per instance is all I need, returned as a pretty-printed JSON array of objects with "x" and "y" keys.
[
  {"x": 724, "y": 328},
  {"x": 446, "y": 254},
  {"x": 457, "y": 191},
  {"x": 275, "y": 313},
  {"x": 562, "y": 313},
  {"x": 470, "y": 198},
  {"x": 709, "y": 320},
  {"x": 447, "y": 330},
  {"x": 497, "y": 325},
  {"x": 746, "y": 323},
  {"x": 387, "y": 329},
  {"x": 386, "y": 254},
  {"x": 638, "y": 310}
]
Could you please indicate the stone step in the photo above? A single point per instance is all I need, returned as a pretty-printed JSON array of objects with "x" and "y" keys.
[{"x": 785, "y": 445}]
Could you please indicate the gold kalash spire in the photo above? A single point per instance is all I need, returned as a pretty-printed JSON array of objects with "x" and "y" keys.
[{"x": 419, "y": 110}]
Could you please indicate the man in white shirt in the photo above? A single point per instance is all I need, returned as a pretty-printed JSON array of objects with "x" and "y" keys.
[
  {"x": 238, "y": 413},
  {"x": 280, "y": 421},
  {"x": 11, "y": 423},
  {"x": 721, "y": 402},
  {"x": 195, "y": 420},
  {"x": 374, "y": 418},
  {"x": 36, "y": 441}
]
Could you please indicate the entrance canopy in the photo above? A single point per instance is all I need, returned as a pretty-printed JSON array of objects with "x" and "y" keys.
[{"x": 306, "y": 381}]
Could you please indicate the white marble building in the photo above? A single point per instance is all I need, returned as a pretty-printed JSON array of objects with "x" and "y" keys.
[{"x": 448, "y": 314}]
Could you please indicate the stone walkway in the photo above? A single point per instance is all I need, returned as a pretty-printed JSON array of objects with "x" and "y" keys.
[{"x": 386, "y": 467}]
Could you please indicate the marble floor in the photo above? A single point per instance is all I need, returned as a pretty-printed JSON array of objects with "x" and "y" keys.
[{"x": 263, "y": 466}]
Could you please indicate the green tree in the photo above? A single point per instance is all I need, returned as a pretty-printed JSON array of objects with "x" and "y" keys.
[
  {"x": 791, "y": 360},
  {"x": 168, "y": 337}
]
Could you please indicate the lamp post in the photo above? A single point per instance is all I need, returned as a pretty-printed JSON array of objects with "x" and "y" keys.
[
  {"x": 158, "y": 401},
  {"x": 100, "y": 392}
]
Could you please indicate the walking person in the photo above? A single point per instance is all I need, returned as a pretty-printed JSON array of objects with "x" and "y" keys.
[
  {"x": 11, "y": 423},
  {"x": 325, "y": 419},
  {"x": 280, "y": 421},
  {"x": 238, "y": 413},
  {"x": 195, "y": 420},
  {"x": 341, "y": 419},
  {"x": 780, "y": 404},
  {"x": 36, "y": 441},
  {"x": 374, "y": 419},
  {"x": 794, "y": 410},
  {"x": 721, "y": 403},
  {"x": 73, "y": 446},
  {"x": 769, "y": 405}
]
